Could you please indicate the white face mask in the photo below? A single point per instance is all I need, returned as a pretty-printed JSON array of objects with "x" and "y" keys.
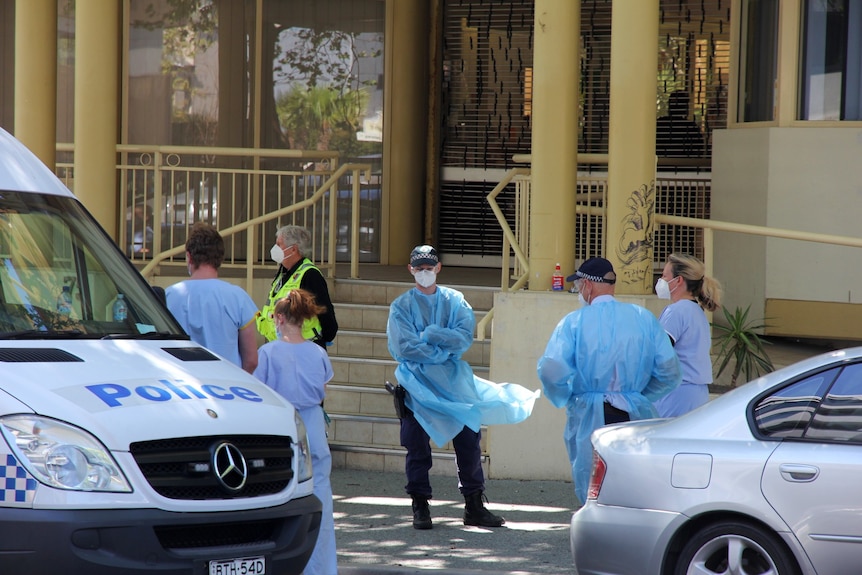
[
  {"x": 276, "y": 253},
  {"x": 662, "y": 289},
  {"x": 581, "y": 299},
  {"x": 425, "y": 278}
]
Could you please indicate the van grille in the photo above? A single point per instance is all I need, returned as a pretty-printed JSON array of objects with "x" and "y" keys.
[
  {"x": 217, "y": 535},
  {"x": 183, "y": 468}
]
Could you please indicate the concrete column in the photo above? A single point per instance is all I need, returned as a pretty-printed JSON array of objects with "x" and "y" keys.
[
  {"x": 631, "y": 144},
  {"x": 555, "y": 139},
  {"x": 404, "y": 127},
  {"x": 36, "y": 77},
  {"x": 97, "y": 95}
]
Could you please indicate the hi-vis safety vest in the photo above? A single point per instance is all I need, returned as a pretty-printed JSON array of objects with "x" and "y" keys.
[{"x": 265, "y": 319}]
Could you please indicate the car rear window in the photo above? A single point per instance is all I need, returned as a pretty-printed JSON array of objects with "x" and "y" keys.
[
  {"x": 788, "y": 412},
  {"x": 839, "y": 416}
]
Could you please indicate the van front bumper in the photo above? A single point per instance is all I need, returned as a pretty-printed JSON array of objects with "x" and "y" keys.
[{"x": 138, "y": 541}]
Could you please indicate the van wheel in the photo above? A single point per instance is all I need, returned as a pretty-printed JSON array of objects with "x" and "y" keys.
[{"x": 735, "y": 548}]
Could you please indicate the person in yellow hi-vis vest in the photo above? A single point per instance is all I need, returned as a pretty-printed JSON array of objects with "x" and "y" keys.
[{"x": 295, "y": 271}]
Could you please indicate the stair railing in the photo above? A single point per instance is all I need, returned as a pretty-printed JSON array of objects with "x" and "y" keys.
[
  {"x": 330, "y": 185},
  {"x": 518, "y": 241}
]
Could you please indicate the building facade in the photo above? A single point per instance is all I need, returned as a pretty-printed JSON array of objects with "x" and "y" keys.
[{"x": 751, "y": 109}]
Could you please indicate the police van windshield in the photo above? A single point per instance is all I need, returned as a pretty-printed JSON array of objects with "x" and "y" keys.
[{"x": 62, "y": 276}]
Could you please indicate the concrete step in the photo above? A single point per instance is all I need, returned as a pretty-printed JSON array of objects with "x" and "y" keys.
[
  {"x": 370, "y": 458},
  {"x": 370, "y": 371},
  {"x": 366, "y": 415},
  {"x": 373, "y": 317},
  {"x": 376, "y": 432},
  {"x": 384, "y": 292},
  {"x": 373, "y": 443},
  {"x": 359, "y": 400},
  {"x": 373, "y": 344},
  {"x": 364, "y": 432}
]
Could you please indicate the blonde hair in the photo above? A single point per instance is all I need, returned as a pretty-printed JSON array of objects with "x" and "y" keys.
[
  {"x": 706, "y": 290},
  {"x": 297, "y": 306}
]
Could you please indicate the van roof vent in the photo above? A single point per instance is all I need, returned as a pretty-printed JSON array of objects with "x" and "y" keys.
[
  {"x": 191, "y": 354},
  {"x": 36, "y": 355}
]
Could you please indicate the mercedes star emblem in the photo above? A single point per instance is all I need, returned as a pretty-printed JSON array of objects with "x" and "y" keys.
[{"x": 230, "y": 467}]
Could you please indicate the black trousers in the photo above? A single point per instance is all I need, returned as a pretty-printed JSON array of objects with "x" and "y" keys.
[
  {"x": 614, "y": 415},
  {"x": 468, "y": 458}
]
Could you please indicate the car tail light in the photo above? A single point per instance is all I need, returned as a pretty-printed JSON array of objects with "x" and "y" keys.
[{"x": 597, "y": 476}]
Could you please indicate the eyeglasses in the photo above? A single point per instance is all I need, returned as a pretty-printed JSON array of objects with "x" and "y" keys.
[{"x": 577, "y": 286}]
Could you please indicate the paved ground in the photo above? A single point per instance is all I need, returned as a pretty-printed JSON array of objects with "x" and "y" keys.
[{"x": 374, "y": 533}]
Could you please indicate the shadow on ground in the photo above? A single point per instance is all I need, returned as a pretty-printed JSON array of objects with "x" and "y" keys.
[{"x": 373, "y": 521}]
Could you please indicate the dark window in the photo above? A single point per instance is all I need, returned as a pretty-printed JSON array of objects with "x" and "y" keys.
[
  {"x": 759, "y": 62},
  {"x": 839, "y": 416},
  {"x": 788, "y": 411},
  {"x": 831, "y": 79}
]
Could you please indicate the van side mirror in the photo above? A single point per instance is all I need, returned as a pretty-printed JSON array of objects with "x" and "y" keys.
[{"x": 160, "y": 294}]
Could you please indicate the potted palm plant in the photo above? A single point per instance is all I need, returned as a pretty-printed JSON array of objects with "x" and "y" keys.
[{"x": 739, "y": 342}]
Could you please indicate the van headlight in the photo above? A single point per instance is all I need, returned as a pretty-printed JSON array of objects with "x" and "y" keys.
[
  {"x": 62, "y": 455},
  {"x": 303, "y": 452}
]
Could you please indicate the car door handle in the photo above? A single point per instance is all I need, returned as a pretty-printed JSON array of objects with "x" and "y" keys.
[{"x": 798, "y": 473}]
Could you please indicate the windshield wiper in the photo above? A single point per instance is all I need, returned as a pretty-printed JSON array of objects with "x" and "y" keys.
[
  {"x": 45, "y": 334},
  {"x": 149, "y": 335}
]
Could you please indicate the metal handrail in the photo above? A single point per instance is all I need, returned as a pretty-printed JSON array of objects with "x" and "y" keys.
[
  {"x": 149, "y": 270},
  {"x": 510, "y": 240},
  {"x": 707, "y": 226}
]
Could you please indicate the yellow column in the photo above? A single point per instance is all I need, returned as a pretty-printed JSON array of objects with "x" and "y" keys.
[
  {"x": 97, "y": 94},
  {"x": 789, "y": 23},
  {"x": 36, "y": 77},
  {"x": 555, "y": 139},
  {"x": 631, "y": 144},
  {"x": 404, "y": 125}
]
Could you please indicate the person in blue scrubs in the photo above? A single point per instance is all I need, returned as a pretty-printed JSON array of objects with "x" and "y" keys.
[
  {"x": 298, "y": 370},
  {"x": 684, "y": 282},
  {"x": 216, "y": 314}
]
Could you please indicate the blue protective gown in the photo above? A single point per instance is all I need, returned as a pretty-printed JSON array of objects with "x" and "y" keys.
[
  {"x": 427, "y": 336},
  {"x": 592, "y": 347}
]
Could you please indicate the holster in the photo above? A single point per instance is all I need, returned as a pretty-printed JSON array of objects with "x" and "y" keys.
[{"x": 399, "y": 395}]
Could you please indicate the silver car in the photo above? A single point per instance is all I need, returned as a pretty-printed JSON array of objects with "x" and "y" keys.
[{"x": 766, "y": 479}]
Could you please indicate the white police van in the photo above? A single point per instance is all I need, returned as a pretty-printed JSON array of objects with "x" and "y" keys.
[{"x": 126, "y": 448}]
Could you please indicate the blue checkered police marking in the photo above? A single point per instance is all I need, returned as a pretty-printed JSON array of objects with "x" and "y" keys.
[{"x": 16, "y": 485}]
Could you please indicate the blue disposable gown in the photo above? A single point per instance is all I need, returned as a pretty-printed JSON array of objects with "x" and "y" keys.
[
  {"x": 591, "y": 347},
  {"x": 427, "y": 336}
]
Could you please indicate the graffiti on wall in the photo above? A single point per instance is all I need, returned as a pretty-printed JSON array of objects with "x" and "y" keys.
[{"x": 634, "y": 249}]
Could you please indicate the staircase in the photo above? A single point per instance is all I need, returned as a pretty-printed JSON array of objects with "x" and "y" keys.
[{"x": 364, "y": 432}]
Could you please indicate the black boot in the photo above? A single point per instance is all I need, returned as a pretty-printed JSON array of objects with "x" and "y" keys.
[
  {"x": 475, "y": 512},
  {"x": 421, "y": 513}
]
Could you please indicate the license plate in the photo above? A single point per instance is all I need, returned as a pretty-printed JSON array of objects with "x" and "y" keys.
[{"x": 244, "y": 566}]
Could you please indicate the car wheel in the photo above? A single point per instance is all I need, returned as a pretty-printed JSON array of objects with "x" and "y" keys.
[{"x": 734, "y": 548}]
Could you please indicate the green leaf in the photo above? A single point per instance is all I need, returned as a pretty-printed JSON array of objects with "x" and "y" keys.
[{"x": 739, "y": 342}]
